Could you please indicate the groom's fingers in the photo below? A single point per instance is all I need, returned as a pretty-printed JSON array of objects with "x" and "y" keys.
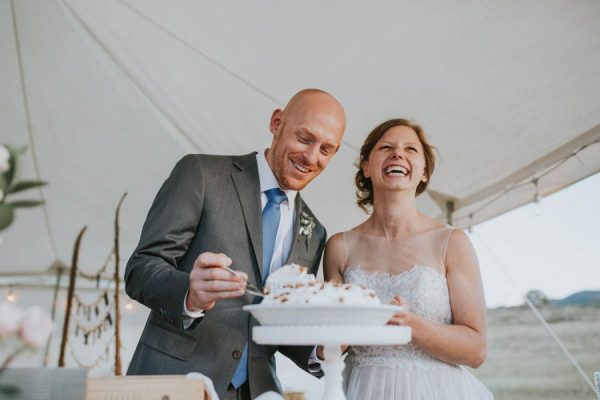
[
  {"x": 210, "y": 281},
  {"x": 210, "y": 266},
  {"x": 211, "y": 260},
  {"x": 216, "y": 286},
  {"x": 220, "y": 274},
  {"x": 221, "y": 295},
  {"x": 204, "y": 294}
]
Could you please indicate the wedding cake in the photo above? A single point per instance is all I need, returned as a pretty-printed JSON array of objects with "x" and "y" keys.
[{"x": 291, "y": 284}]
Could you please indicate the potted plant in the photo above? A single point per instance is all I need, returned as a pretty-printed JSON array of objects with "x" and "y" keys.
[{"x": 21, "y": 330}]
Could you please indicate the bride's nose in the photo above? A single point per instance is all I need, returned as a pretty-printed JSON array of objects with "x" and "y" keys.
[{"x": 398, "y": 154}]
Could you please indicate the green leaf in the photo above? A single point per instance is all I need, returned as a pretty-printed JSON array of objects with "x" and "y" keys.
[
  {"x": 9, "y": 390},
  {"x": 15, "y": 153},
  {"x": 25, "y": 203},
  {"x": 24, "y": 185},
  {"x": 7, "y": 214}
]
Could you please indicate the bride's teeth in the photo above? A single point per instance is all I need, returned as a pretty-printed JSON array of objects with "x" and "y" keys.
[{"x": 396, "y": 168}]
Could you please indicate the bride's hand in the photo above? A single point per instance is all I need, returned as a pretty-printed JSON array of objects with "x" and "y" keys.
[{"x": 401, "y": 318}]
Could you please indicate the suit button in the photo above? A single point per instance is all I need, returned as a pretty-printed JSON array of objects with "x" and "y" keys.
[{"x": 236, "y": 354}]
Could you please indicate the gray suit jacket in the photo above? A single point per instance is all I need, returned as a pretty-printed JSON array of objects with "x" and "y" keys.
[{"x": 208, "y": 203}]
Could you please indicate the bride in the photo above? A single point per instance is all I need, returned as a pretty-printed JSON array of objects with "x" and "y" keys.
[{"x": 413, "y": 260}]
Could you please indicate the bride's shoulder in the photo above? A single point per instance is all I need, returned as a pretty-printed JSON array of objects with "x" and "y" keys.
[
  {"x": 458, "y": 238},
  {"x": 336, "y": 239},
  {"x": 460, "y": 251},
  {"x": 334, "y": 258}
]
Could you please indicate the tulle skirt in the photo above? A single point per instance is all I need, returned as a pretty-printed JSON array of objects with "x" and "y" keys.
[{"x": 444, "y": 381}]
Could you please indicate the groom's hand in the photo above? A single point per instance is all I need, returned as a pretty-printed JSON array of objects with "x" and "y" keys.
[
  {"x": 209, "y": 282},
  {"x": 321, "y": 352}
]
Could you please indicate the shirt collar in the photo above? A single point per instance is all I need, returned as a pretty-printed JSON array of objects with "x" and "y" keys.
[{"x": 268, "y": 180}]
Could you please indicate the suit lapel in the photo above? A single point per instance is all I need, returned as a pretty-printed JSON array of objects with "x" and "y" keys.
[
  {"x": 296, "y": 241},
  {"x": 247, "y": 187}
]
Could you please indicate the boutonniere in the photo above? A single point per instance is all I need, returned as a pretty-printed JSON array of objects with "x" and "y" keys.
[{"x": 307, "y": 224}]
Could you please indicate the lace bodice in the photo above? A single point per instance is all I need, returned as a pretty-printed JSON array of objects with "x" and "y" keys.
[{"x": 423, "y": 286}]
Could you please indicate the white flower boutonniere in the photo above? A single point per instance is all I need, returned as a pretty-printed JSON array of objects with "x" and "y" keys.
[{"x": 307, "y": 224}]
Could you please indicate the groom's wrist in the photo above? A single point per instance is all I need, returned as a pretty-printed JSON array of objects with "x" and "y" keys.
[
  {"x": 319, "y": 353},
  {"x": 314, "y": 362}
]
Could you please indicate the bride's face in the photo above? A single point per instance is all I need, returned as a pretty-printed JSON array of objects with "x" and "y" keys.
[{"x": 397, "y": 162}]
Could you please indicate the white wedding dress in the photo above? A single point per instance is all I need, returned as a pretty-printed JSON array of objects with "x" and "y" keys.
[{"x": 404, "y": 372}]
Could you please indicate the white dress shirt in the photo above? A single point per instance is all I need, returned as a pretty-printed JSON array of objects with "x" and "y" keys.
[{"x": 285, "y": 231}]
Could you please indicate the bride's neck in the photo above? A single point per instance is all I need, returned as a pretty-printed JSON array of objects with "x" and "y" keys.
[{"x": 394, "y": 214}]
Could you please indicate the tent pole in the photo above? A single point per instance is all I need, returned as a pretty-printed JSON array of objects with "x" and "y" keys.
[
  {"x": 72, "y": 277},
  {"x": 117, "y": 281},
  {"x": 59, "y": 273},
  {"x": 449, "y": 211}
]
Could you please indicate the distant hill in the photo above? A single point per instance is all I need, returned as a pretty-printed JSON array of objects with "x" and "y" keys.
[{"x": 584, "y": 298}]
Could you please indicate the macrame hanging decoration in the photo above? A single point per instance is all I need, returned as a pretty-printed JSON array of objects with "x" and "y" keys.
[{"x": 96, "y": 322}]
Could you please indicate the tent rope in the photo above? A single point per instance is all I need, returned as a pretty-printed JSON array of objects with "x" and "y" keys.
[
  {"x": 202, "y": 54},
  {"x": 533, "y": 180},
  {"x": 189, "y": 138},
  {"x": 25, "y": 98},
  {"x": 211, "y": 60},
  {"x": 535, "y": 311}
]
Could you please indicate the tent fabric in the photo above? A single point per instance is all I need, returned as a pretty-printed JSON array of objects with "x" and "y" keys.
[{"x": 109, "y": 95}]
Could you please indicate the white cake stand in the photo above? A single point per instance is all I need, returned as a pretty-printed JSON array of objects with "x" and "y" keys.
[{"x": 332, "y": 338}]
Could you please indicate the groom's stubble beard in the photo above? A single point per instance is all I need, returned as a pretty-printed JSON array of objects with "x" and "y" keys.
[{"x": 280, "y": 162}]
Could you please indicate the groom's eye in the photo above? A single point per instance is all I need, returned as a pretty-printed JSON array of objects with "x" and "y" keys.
[
  {"x": 303, "y": 139},
  {"x": 326, "y": 150}
]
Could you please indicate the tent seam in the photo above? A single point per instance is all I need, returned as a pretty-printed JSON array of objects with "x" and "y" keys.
[{"x": 30, "y": 128}]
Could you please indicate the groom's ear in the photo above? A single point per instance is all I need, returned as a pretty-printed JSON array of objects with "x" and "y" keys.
[{"x": 276, "y": 121}]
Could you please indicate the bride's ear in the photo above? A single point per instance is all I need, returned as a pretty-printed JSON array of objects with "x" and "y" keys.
[{"x": 364, "y": 165}]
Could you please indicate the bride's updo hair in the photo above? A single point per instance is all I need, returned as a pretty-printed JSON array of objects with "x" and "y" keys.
[{"x": 364, "y": 187}]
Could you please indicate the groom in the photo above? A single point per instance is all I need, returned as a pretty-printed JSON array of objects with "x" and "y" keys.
[{"x": 238, "y": 211}]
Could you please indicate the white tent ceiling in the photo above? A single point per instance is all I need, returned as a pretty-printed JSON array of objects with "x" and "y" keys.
[{"x": 108, "y": 95}]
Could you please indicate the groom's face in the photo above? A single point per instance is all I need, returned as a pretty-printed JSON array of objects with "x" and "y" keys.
[{"x": 306, "y": 135}]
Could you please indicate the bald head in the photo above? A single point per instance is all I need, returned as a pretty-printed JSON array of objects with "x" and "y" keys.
[
  {"x": 306, "y": 135},
  {"x": 315, "y": 101}
]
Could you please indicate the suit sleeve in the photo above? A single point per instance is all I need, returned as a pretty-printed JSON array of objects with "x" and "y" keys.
[{"x": 152, "y": 276}]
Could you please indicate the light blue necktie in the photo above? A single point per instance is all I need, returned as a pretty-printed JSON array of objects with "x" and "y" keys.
[{"x": 270, "y": 222}]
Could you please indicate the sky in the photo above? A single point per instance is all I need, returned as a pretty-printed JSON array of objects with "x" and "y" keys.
[{"x": 557, "y": 251}]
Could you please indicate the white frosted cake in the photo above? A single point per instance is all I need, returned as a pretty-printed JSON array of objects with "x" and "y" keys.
[{"x": 291, "y": 284}]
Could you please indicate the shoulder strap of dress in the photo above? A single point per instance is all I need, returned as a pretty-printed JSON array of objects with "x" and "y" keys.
[
  {"x": 345, "y": 245},
  {"x": 446, "y": 241}
]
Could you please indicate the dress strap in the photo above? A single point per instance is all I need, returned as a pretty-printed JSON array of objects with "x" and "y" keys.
[
  {"x": 445, "y": 242},
  {"x": 345, "y": 245}
]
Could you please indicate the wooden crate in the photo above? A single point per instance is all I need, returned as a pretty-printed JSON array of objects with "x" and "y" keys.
[
  {"x": 294, "y": 396},
  {"x": 150, "y": 387}
]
